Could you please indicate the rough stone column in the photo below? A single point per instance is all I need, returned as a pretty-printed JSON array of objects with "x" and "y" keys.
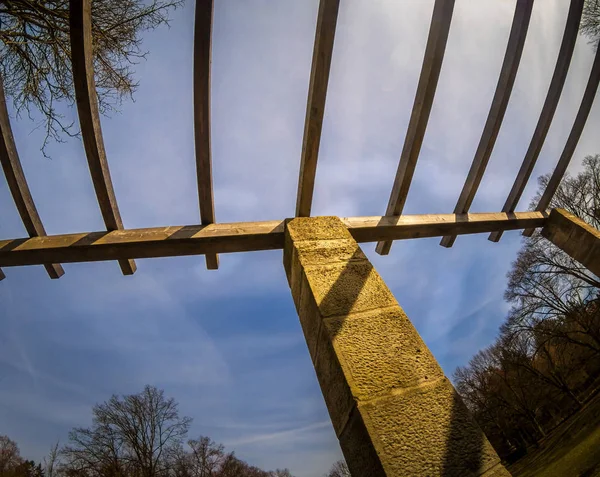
[{"x": 392, "y": 408}]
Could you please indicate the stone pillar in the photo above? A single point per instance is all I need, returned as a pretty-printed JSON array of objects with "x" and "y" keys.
[{"x": 392, "y": 408}]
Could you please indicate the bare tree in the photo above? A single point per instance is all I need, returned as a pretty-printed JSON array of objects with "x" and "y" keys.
[
  {"x": 339, "y": 469},
  {"x": 10, "y": 457},
  {"x": 547, "y": 356},
  {"x": 206, "y": 457},
  {"x": 545, "y": 284},
  {"x": 134, "y": 434},
  {"x": 35, "y": 53},
  {"x": 280, "y": 473},
  {"x": 51, "y": 461},
  {"x": 590, "y": 21},
  {"x": 232, "y": 467}
]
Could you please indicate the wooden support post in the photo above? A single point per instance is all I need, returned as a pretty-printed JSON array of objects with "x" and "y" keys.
[
  {"x": 574, "y": 237},
  {"x": 392, "y": 408}
]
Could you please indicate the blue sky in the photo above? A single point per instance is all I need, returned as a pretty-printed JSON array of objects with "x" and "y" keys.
[{"x": 227, "y": 344}]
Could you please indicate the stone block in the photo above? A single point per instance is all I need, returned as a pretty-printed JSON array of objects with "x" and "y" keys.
[
  {"x": 316, "y": 228},
  {"x": 313, "y": 253},
  {"x": 379, "y": 351},
  {"x": 427, "y": 431},
  {"x": 359, "y": 450},
  {"x": 340, "y": 289}
]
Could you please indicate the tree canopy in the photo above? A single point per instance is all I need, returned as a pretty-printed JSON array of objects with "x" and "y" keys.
[
  {"x": 135, "y": 435},
  {"x": 35, "y": 54},
  {"x": 547, "y": 357},
  {"x": 13, "y": 465},
  {"x": 590, "y": 21},
  {"x": 339, "y": 469}
]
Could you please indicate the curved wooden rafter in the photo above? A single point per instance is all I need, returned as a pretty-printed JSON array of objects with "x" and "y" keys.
[
  {"x": 573, "y": 139},
  {"x": 315, "y": 107},
  {"x": 9, "y": 157},
  {"x": 508, "y": 73},
  {"x": 430, "y": 73},
  {"x": 554, "y": 92},
  {"x": 202, "y": 63},
  {"x": 89, "y": 118}
]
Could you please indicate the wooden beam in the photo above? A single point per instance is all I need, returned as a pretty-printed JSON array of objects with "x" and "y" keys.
[
  {"x": 202, "y": 63},
  {"x": 576, "y": 238},
  {"x": 374, "y": 229},
  {"x": 15, "y": 177},
  {"x": 508, "y": 73},
  {"x": 573, "y": 139},
  {"x": 145, "y": 243},
  {"x": 242, "y": 237},
  {"x": 430, "y": 73},
  {"x": 80, "y": 12},
  {"x": 554, "y": 91},
  {"x": 315, "y": 107}
]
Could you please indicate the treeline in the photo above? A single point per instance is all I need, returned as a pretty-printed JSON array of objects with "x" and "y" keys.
[
  {"x": 137, "y": 435},
  {"x": 11, "y": 463},
  {"x": 546, "y": 361}
]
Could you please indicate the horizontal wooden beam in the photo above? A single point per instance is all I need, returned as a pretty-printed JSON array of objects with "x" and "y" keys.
[
  {"x": 419, "y": 117},
  {"x": 506, "y": 80},
  {"x": 19, "y": 189},
  {"x": 552, "y": 97},
  {"x": 80, "y": 17},
  {"x": 242, "y": 237},
  {"x": 202, "y": 64},
  {"x": 145, "y": 243},
  {"x": 315, "y": 107},
  {"x": 576, "y": 238},
  {"x": 375, "y": 229}
]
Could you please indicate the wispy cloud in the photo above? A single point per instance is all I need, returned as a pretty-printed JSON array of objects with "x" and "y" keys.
[{"x": 290, "y": 434}]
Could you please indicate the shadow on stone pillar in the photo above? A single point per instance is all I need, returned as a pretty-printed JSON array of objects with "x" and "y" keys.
[{"x": 392, "y": 408}]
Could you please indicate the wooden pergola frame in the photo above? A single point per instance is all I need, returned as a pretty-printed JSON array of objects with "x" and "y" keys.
[{"x": 210, "y": 238}]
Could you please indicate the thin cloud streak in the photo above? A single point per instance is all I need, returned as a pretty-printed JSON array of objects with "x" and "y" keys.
[{"x": 287, "y": 434}]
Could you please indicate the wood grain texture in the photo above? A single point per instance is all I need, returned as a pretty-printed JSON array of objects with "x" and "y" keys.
[
  {"x": 202, "y": 66},
  {"x": 430, "y": 72},
  {"x": 315, "y": 107},
  {"x": 89, "y": 117},
  {"x": 242, "y": 237},
  {"x": 554, "y": 92},
  {"x": 506, "y": 80},
  {"x": 17, "y": 184},
  {"x": 572, "y": 140},
  {"x": 373, "y": 229},
  {"x": 576, "y": 238}
]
